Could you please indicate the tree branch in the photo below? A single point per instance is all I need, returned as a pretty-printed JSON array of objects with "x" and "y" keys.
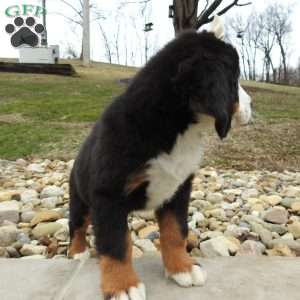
[
  {"x": 70, "y": 5},
  {"x": 134, "y": 2},
  {"x": 205, "y": 18},
  {"x": 68, "y": 18},
  {"x": 204, "y": 9}
]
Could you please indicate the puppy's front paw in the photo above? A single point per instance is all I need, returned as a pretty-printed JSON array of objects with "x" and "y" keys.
[
  {"x": 133, "y": 293},
  {"x": 197, "y": 277}
]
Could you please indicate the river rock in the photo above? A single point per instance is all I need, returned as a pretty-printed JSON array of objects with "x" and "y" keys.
[
  {"x": 145, "y": 232},
  {"x": 29, "y": 196},
  {"x": 44, "y": 216},
  {"x": 145, "y": 245},
  {"x": 293, "y": 245},
  {"x": 236, "y": 231},
  {"x": 62, "y": 234},
  {"x": 3, "y": 253},
  {"x": 13, "y": 252},
  {"x": 192, "y": 240},
  {"x": 276, "y": 215},
  {"x": 9, "y": 211},
  {"x": 8, "y": 235},
  {"x": 271, "y": 200},
  {"x": 52, "y": 191},
  {"x": 9, "y": 195},
  {"x": 136, "y": 252},
  {"x": 49, "y": 202},
  {"x": 45, "y": 229},
  {"x": 214, "y": 197},
  {"x": 264, "y": 234},
  {"x": 281, "y": 250},
  {"x": 27, "y": 216},
  {"x": 219, "y": 246},
  {"x": 296, "y": 207},
  {"x": 291, "y": 191},
  {"x": 294, "y": 229},
  {"x": 35, "y": 168},
  {"x": 197, "y": 195},
  {"x": 29, "y": 249},
  {"x": 251, "y": 248},
  {"x": 288, "y": 202},
  {"x": 148, "y": 215}
]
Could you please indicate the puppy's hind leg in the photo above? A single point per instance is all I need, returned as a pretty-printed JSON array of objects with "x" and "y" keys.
[
  {"x": 78, "y": 223},
  {"x": 172, "y": 219}
]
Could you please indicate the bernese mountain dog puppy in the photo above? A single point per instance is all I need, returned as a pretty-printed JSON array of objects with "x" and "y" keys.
[{"x": 143, "y": 152}]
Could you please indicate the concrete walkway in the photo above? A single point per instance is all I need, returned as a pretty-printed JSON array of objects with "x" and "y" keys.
[{"x": 239, "y": 278}]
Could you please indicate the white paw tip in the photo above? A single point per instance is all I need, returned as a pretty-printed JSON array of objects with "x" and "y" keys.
[
  {"x": 199, "y": 275},
  {"x": 82, "y": 256},
  {"x": 137, "y": 293},
  {"x": 183, "y": 279},
  {"x": 134, "y": 293},
  {"x": 196, "y": 277}
]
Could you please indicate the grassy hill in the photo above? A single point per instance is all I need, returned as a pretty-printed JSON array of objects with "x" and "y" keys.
[{"x": 49, "y": 116}]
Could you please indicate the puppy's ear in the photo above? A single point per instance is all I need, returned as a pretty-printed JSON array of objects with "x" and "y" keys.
[
  {"x": 217, "y": 27},
  {"x": 204, "y": 86},
  {"x": 216, "y": 105}
]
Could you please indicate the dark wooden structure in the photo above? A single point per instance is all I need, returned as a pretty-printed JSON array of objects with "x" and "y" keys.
[{"x": 55, "y": 69}]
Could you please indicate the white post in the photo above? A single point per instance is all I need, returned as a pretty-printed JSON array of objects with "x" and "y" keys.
[{"x": 86, "y": 33}]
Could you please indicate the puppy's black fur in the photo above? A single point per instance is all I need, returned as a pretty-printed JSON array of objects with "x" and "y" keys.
[{"x": 195, "y": 73}]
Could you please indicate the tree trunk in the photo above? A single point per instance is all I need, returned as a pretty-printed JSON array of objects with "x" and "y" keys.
[
  {"x": 81, "y": 53},
  {"x": 283, "y": 56},
  {"x": 185, "y": 14}
]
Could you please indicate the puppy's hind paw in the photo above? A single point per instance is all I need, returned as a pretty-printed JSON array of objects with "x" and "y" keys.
[
  {"x": 83, "y": 256},
  {"x": 196, "y": 277},
  {"x": 133, "y": 293}
]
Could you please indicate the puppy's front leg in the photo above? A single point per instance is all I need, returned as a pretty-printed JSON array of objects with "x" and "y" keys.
[
  {"x": 118, "y": 278},
  {"x": 172, "y": 219}
]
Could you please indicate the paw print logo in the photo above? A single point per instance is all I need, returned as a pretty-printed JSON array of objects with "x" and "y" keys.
[{"x": 24, "y": 32}]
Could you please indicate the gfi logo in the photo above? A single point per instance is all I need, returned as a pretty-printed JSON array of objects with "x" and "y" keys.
[
  {"x": 24, "y": 10},
  {"x": 24, "y": 28}
]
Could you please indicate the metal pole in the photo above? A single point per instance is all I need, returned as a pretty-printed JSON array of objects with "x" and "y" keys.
[
  {"x": 44, "y": 41},
  {"x": 86, "y": 33}
]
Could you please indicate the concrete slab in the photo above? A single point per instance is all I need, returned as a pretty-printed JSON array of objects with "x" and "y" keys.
[
  {"x": 33, "y": 279},
  {"x": 238, "y": 278},
  {"x": 258, "y": 278}
]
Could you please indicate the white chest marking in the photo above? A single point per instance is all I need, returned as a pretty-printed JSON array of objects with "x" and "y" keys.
[{"x": 169, "y": 170}]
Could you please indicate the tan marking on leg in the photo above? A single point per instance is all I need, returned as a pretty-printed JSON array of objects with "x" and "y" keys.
[
  {"x": 173, "y": 246},
  {"x": 118, "y": 275},
  {"x": 135, "y": 180},
  {"x": 78, "y": 243}
]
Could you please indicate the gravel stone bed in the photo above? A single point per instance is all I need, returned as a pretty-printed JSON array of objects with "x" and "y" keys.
[{"x": 231, "y": 213}]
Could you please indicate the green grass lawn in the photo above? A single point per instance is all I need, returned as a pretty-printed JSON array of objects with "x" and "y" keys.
[{"x": 49, "y": 116}]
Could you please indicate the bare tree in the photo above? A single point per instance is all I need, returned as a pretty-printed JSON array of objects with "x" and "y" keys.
[
  {"x": 185, "y": 12},
  {"x": 76, "y": 15},
  {"x": 116, "y": 43},
  {"x": 247, "y": 33},
  {"x": 107, "y": 44},
  {"x": 280, "y": 24},
  {"x": 239, "y": 26},
  {"x": 266, "y": 43}
]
